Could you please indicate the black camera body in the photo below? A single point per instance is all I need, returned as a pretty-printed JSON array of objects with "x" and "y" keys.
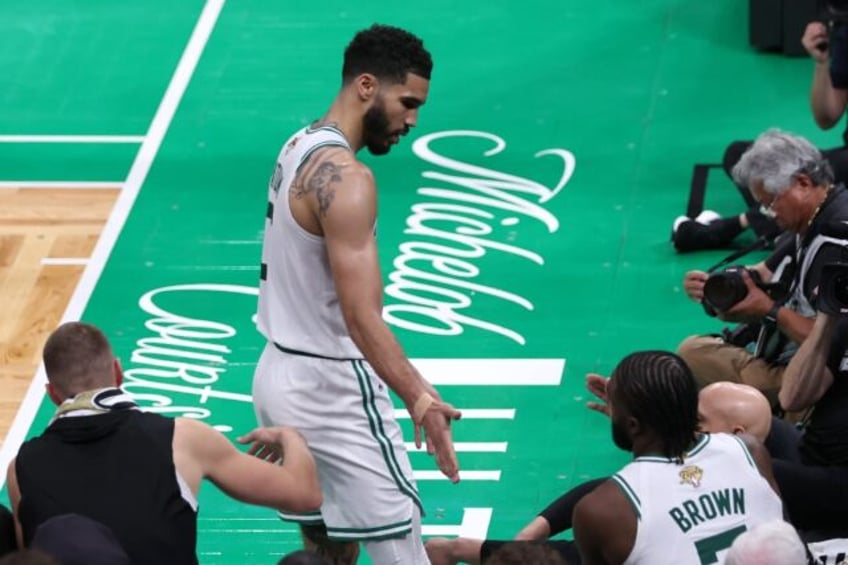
[
  {"x": 835, "y": 13},
  {"x": 726, "y": 288},
  {"x": 833, "y": 290}
]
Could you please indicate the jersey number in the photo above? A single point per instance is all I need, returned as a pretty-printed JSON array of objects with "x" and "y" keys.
[{"x": 708, "y": 548}]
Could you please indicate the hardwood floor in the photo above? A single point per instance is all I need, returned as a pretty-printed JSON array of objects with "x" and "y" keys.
[{"x": 46, "y": 237}]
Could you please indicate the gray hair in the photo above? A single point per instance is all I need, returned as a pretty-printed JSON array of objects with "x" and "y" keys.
[
  {"x": 771, "y": 543},
  {"x": 776, "y": 158}
]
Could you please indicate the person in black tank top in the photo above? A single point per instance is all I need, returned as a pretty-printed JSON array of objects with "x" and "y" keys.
[{"x": 138, "y": 473}]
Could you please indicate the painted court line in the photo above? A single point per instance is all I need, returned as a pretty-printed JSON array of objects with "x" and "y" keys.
[
  {"x": 463, "y": 475},
  {"x": 465, "y": 447},
  {"x": 53, "y": 184},
  {"x": 491, "y": 372},
  {"x": 470, "y": 414},
  {"x": 71, "y": 138},
  {"x": 140, "y": 167}
]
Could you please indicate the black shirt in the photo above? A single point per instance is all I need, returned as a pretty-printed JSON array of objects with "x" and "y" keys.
[
  {"x": 825, "y": 439},
  {"x": 115, "y": 468},
  {"x": 833, "y": 210}
]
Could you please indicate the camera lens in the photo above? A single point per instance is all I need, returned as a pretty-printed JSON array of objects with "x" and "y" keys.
[{"x": 723, "y": 290}]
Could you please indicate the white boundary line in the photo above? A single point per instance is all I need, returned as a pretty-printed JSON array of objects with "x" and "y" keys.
[
  {"x": 470, "y": 413},
  {"x": 60, "y": 184},
  {"x": 71, "y": 138},
  {"x": 138, "y": 172},
  {"x": 464, "y": 447}
]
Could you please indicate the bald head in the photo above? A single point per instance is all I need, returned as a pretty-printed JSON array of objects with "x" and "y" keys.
[
  {"x": 78, "y": 357},
  {"x": 733, "y": 408}
]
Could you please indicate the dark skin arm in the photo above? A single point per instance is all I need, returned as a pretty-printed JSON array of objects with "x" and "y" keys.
[{"x": 604, "y": 526}]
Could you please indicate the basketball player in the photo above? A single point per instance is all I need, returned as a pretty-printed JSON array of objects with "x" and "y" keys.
[
  {"x": 685, "y": 496},
  {"x": 723, "y": 407},
  {"x": 330, "y": 359}
]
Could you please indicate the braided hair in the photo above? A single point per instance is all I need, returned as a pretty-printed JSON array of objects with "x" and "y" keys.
[{"x": 658, "y": 389}]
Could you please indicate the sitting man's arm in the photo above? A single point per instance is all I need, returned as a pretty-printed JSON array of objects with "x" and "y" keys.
[
  {"x": 604, "y": 526},
  {"x": 282, "y": 475},
  {"x": 807, "y": 376}
]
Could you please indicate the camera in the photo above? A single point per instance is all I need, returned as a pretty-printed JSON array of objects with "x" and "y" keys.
[
  {"x": 726, "y": 288},
  {"x": 833, "y": 291},
  {"x": 835, "y": 13}
]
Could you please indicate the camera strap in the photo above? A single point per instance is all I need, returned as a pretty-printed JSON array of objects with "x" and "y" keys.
[{"x": 759, "y": 243}]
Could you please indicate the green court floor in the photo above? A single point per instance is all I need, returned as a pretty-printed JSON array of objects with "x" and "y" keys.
[{"x": 566, "y": 130}]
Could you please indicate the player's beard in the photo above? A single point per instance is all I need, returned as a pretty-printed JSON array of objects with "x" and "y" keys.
[
  {"x": 620, "y": 437},
  {"x": 375, "y": 128}
]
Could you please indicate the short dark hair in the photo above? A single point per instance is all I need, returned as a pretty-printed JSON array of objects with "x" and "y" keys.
[
  {"x": 387, "y": 52},
  {"x": 659, "y": 390},
  {"x": 78, "y": 357}
]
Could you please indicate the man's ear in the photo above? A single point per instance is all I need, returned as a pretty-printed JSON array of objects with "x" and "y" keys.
[
  {"x": 739, "y": 430},
  {"x": 119, "y": 372},
  {"x": 633, "y": 426},
  {"x": 366, "y": 86}
]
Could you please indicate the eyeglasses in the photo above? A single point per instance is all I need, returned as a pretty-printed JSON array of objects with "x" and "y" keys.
[{"x": 768, "y": 209}]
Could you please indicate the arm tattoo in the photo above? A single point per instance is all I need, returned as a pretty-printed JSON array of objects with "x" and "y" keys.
[{"x": 321, "y": 182}]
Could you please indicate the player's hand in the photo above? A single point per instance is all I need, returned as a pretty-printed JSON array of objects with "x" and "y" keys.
[
  {"x": 597, "y": 385},
  {"x": 433, "y": 418},
  {"x": 269, "y": 443},
  {"x": 693, "y": 284},
  {"x": 815, "y": 37}
]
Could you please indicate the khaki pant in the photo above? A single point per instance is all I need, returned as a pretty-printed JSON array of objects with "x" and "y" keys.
[{"x": 711, "y": 359}]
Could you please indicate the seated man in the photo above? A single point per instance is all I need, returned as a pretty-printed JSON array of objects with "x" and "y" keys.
[
  {"x": 828, "y": 100},
  {"x": 815, "y": 489},
  {"x": 791, "y": 179},
  {"x": 139, "y": 473},
  {"x": 722, "y": 408},
  {"x": 686, "y": 495}
]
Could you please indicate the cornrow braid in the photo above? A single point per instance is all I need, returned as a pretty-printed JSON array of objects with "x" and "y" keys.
[{"x": 659, "y": 390}]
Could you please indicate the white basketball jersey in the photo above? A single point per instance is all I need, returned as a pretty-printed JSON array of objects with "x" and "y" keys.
[
  {"x": 298, "y": 304},
  {"x": 690, "y": 513}
]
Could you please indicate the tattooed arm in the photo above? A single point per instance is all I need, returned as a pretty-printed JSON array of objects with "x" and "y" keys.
[{"x": 343, "y": 200}]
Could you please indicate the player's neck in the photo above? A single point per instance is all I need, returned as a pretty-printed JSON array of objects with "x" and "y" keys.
[
  {"x": 656, "y": 447},
  {"x": 648, "y": 447},
  {"x": 347, "y": 118}
]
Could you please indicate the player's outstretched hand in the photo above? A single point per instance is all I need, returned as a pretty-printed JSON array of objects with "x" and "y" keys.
[
  {"x": 434, "y": 416},
  {"x": 597, "y": 385}
]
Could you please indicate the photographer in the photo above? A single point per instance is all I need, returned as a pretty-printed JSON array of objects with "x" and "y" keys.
[
  {"x": 827, "y": 43},
  {"x": 793, "y": 183},
  {"x": 815, "y": 491}
]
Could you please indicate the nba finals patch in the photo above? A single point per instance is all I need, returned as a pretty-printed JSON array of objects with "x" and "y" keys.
[{"x": 691, "y": 474}]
